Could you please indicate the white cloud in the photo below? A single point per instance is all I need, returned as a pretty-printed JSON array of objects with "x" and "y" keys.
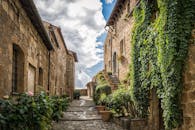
[
  {"x": 109, "y": 1},
  {"x": 82, "y": 22}
]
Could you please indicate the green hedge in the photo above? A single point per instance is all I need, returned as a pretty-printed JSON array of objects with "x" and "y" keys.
[{"x": 30, "y": 113}]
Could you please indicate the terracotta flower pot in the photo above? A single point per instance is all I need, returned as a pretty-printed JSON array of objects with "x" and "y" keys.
[
  {"x": 100, "y": 108},
  {"x": 106, "y": 115}
]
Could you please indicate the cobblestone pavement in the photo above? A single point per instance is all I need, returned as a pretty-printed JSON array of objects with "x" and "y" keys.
[{"x": 82, "y": 115}]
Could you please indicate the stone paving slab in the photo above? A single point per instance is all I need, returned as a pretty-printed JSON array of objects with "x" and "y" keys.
[
  {"x": 84, "y": 101},
  {"x": 86, "y": 125},
  {"x": 68, "y": 116},
  {"x": 81, "y": 109}
]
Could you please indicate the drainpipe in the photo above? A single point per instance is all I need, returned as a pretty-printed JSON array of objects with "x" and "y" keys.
[{"x": 48, "y": 83}]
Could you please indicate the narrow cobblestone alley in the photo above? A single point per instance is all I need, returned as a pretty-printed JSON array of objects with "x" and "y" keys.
[{"x": 82, "y": 115}]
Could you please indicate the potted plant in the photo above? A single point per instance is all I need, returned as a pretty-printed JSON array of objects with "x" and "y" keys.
[
  {"x": 101, "y": 102},
  {"x": 106, "y": 114}
]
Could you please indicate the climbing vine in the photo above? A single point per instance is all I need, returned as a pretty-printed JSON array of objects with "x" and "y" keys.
[{"x": 160, "y": 42}]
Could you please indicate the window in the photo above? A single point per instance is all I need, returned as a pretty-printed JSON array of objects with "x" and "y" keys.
[
  {"x": 105, "y": 49},
  {"x": 14, "y": 70},
  {"x": 110, "y": 42},
  {"x": 122, "y": 47},
  {"x": 128, "y": 6},
  {"x": 114, "y": 62},
  {"x": 61, "y": 91},
  {"x": 40, "y": 81},
  {"x": 109, "y": 64},
  {"x": 17, "y": 69},
  {"x": 53, "y": 36}
]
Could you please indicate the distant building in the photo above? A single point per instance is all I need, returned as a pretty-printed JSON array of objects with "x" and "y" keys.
[
  {"x": 117, "y": 45},
  {"x": 58, "y": 60},
  {"x": 90, "y": 88},
  {"x": 70, "y": 72}
]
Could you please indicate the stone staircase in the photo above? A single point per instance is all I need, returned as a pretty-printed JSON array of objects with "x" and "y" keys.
[{"x": 113, "y": 80}]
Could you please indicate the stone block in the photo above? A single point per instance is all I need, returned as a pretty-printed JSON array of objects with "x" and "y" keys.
[
  {"x": 184, "y": 97},
  {"x": 192, "y": 95},
  {"x": 193, "y": 33},
  {"x": 190, "y": 76},
  {"x": 138, "y": 122},
  {"x": 5, "y": 5},
  {"x": 187, "y": 121}
]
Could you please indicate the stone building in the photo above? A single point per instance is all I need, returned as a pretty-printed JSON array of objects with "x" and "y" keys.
[
  {"x": 33, "y": 55},
  {"x": 117, "y": 59},
  {"x": 70, "y": 72},
  {"x": 24, "y": 48},
  {"x": 58, "y": 60},
  {"x": 117, "y": 44},
  {"x": 90, "y": 88}
]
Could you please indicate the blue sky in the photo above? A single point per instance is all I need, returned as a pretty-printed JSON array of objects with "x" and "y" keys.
[
  {"x": 107, "y": 10},
  {"x": 82, "y": 23}
]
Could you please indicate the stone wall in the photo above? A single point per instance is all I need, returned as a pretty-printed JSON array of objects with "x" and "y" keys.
[
  {"x": 188, "y": 95},
  {"x": 187, "y": 99},
  {"x": 90, "y": 89},
  {"x": 70, "y": 74},
  {"x": 83, "y": 92},
  {"x": 17, "y": 30}
]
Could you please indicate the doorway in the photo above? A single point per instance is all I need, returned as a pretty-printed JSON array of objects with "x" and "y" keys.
[
  {"x": 114, "y": 63},
  {"x": 31, "y": 78}
]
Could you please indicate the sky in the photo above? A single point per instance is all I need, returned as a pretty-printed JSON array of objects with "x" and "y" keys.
[{"x": 82, "y": 23}]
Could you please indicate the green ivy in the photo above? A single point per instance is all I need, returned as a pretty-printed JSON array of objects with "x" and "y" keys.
[{"x": 160, "y": 42}]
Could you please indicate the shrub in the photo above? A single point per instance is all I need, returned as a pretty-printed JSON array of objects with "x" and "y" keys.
[
  {"x": 58, "y": 106},
  {"x": 103, "y": 98},
  {"x": 121, "y": 104},
  {"x": 30, "y": 113},
  {"x": 101, "y": 89}
]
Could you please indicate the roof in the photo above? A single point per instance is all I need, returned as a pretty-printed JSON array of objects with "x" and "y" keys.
[
  {"x": 32, "y": 13},
  {"x": 74, "y": 55},
  {"x": 60, "y": 33},
  {"x": 115, "y": 10}
]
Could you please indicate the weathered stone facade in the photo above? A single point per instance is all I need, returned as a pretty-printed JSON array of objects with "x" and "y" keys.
[
  {"x": 31, "y": 58},
  {"x": 58, "y": 60},
  {"x": 23, "y": 50},
  {"x": 117, "y": 46},
  {"x": 70, "y": 73}
]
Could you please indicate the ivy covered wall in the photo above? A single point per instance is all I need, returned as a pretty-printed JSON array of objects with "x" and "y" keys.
[{"x": 160, "y": 43}]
